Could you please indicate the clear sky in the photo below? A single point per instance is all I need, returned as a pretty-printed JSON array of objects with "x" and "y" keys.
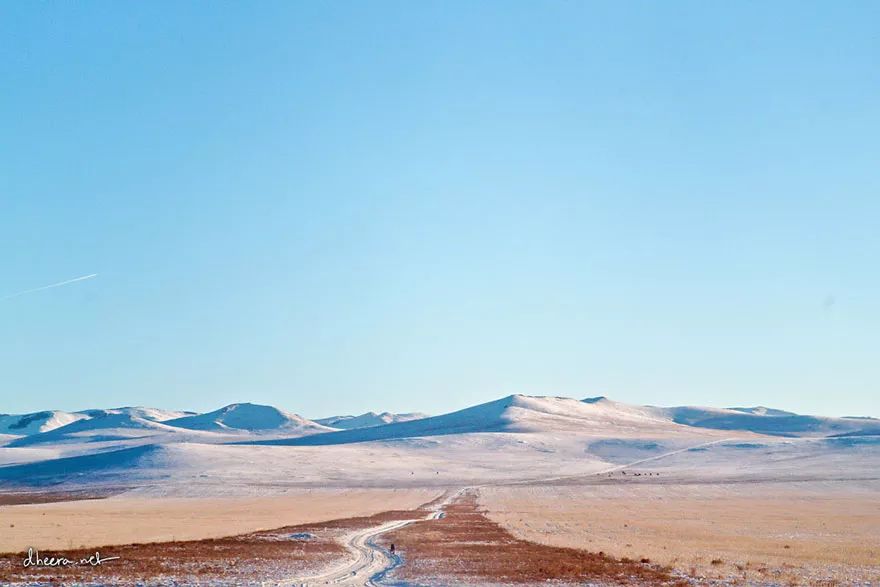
[{"x": 341, "y": 206}]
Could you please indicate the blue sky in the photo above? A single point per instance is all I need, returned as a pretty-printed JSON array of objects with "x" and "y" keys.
[{"x": 335, "y": 207}]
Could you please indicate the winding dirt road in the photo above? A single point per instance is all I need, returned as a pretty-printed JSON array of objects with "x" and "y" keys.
[{"x": 370, "y": 559}]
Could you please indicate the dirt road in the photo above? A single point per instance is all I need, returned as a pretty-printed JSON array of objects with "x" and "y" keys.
[{"x": 370, "y": 559}]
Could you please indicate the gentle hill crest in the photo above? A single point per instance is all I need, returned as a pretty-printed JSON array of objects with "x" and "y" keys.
[
  {"x": 514, "y": 414},
  {"x": 104, "y": 426},
  {"x": 248, "y": 417},
  {"x": 154, "y": 414},
  {"x": 769, "y": 421},
  {"x": 36, "y": 422}
]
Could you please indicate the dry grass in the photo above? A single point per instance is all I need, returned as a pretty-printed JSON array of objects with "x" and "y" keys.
[
  {"x": 465, "y": 548},
  {"x": 753, "y": 532},
  {"x": 235, "y": 560},
  {"x": 126, "y": 520}
]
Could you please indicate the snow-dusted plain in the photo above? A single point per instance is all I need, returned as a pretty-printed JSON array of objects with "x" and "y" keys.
[{"x": 247, "y": 449}]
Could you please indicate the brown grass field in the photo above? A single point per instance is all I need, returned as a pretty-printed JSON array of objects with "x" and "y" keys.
[
  {"x": 467, "y": 548},
  {"x": 126, "y": 520},
  {"x": 749, "y": 533}
]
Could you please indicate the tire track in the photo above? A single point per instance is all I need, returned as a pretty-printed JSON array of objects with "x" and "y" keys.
[{"x": 370, "y": 561}]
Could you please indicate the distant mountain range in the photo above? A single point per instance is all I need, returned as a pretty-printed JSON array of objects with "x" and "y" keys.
[
  {"x": 37, "y": 422},
  {"x": 243, "y": 416},
  {"x": 516, "y": 413},
  {"x": 247, "y": 448},
  {"x": 519, "y": 413}
]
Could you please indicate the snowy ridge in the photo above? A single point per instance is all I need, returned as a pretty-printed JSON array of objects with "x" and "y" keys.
[
  {"x": 106, "y": 426},
  {"x": 47, "y": 421},
  {"x": 34, "y": 423},
  {"x": 249, "y": 417},
  {"x": 368, "y": 419},
  {"x": 763, "y": 411},
  {"x": 514, "y": 414},
  {"x": 769, "y": 421},
  {"x": 146, "y": 413}
]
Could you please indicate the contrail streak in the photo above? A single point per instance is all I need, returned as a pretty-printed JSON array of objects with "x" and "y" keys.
[{"x": 59, "y": 284}]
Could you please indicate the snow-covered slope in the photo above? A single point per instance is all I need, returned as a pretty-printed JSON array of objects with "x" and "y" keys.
[
  {"x": 763, "y": 411},
  {"x": 154, "y": 414},
  {"x": 194, "y": 469},
  {"x": 89, "y": 468},
  {"x": 515, "y": 414},
  {"x": 597, "y": 417},
  {"x": 22, "y": 424},
  {"x": 38, "y": 422},
  {"x": 368, "y": 419},
  {"x": 251, "y": 418},
  {"x": 104, "y": 427},
  {"x": 767, "y": 421}
]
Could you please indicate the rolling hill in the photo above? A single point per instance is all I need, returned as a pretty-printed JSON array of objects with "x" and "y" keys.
[
  {"x": 768, "y": 421},
  {"x": 514, "y": 414},
  {"x": 34, "y": 423},
  {"x": 249, "y": 417}
]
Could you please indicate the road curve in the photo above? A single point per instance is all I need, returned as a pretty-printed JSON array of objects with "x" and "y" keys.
[{"x": 369, "y": 559}]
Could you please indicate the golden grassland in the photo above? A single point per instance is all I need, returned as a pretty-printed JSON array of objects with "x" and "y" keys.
[
  {"x": 126, "y": 520},
  {"x": 806, "y": 534}
]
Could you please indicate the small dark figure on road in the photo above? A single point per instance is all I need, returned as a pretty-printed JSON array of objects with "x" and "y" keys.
[{"x": 392, "y": 549}]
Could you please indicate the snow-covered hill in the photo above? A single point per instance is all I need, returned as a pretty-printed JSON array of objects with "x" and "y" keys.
[
  {"x": 368, "y": 419},
  {"x": 103, "y": 427},
  {"x": 251, "y": 418},
  {"x": 515, "y": 414},
  {"x": 110, "y": 427},
  {"x": 22, "y": 424},
  {"x": 46, "y": 421},
  {"x": 596, "y": 417},
  {"x": 769, "y": 421},
  {"x": 154, "y": 414}
]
